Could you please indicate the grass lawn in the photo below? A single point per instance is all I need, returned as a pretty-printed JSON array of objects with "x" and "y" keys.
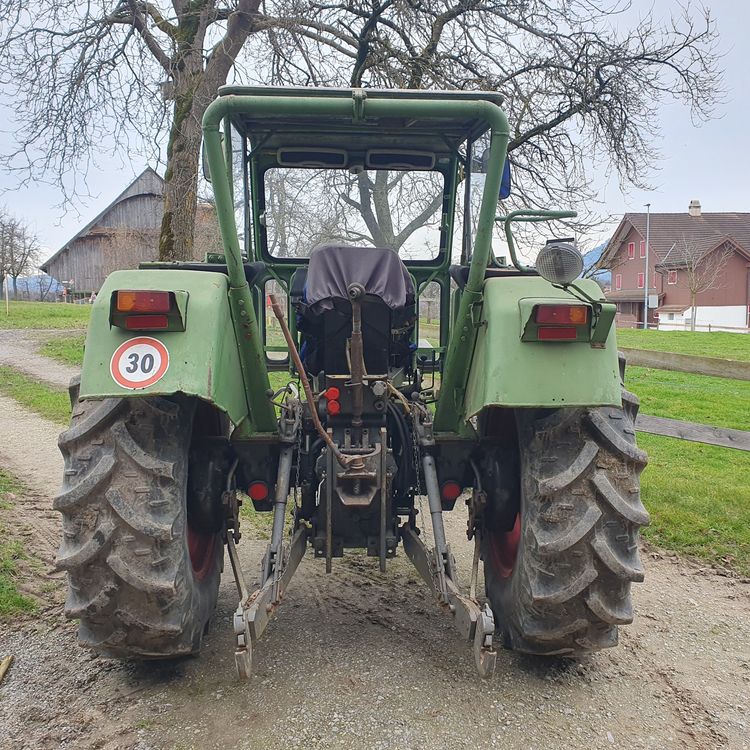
[
  {"x": 48, "y": 402},
  {"x": 44, "y": 315},
  {"x": 720, "y": 402},
  {"x": 65, "y": 349},
  {"x": 11, "y": 552},
  {"x": 699, "y": 500},
  {"x": 716, "y": 344}
]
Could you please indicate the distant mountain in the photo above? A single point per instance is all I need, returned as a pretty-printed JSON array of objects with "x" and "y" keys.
[{"x": 591, "y": 258}]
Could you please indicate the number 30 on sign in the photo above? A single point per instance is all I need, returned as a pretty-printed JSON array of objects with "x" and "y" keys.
[{"x": 139, "y": 363}]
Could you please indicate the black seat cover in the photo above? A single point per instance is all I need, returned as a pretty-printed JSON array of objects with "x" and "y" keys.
[
  {"x": 333, "y": 268},
  {"x": 324, "y": 312}
]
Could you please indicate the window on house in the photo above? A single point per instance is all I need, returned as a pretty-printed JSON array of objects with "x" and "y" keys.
[
  {"x": 672, "y": 277},
  {"x": 631, "y": 250},
  {"x": 643, "y": 249},
  {"x": 670, "y": 316},
  {"x": 640, "y": 280},
  {"x": 618, "y": 281}
]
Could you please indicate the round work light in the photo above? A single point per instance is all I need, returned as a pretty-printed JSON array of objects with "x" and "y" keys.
[{"x": 560, "y": 262}]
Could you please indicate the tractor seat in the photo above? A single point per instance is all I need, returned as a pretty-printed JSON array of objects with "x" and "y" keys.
[
  {"x": 324, "y": 315},
  {"x": 379, "y": 270}
]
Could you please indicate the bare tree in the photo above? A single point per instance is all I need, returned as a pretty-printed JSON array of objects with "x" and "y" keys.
[
  {"x": 702, "y": 271},
  {"x": 580, "y": 80},
  {"x": 24, "y": 255},
  {"x": 46, "y": 282},
  {"x": 6, "y": 232},
  {"x": 19, "y": 250},
  {"x": 91, "y": 77},
  {"x": 386, "y": 208},
  {"x": 583, "y": 82}
]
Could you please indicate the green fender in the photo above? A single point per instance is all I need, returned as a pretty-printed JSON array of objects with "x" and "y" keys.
[
  {"x": 506, "y": 371},
  {"x": 203, "y": 359}
]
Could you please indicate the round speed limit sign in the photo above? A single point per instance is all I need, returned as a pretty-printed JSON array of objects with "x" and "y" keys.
[{"x": 139, "y": 363}]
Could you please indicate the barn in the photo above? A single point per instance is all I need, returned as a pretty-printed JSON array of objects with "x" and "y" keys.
[{"x": 123, "y": 235}]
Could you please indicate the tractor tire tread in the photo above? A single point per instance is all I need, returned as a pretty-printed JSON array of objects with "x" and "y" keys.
[
  {"x": 124, "y": 545},
  {"x": 578, "y": 552}
]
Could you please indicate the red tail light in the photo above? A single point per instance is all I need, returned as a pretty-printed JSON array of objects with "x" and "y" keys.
[
  {"x": 142, "y": 302},
  {"x": 141, "y": 322},
  {"x": 257, "y": 491},
  {"x": 558, "y": 333},
  {"x": 562, "y": 314},
  {"x": 334, "y": 408},
  {"x": 331, "y": 394},
  {"x": 450, "y": 490}
]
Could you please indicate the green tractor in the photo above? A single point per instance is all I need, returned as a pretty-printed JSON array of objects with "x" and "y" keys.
[{"x": 409, "y": 360}]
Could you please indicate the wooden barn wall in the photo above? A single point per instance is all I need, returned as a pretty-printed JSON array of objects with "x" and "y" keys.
[
  {"x": 128, "y": 234},
  {"x": 125, "y": 236}
]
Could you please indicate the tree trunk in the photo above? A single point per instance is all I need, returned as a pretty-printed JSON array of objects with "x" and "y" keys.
[
  {"x": 181, "y": 178},
  {"x": 15, "y": 287},
  {"x": 692, "y": 307}
]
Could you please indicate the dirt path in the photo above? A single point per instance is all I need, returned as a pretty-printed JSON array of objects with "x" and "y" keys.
[
  {"x": 19, "y": 349},
  {"x": 363, "y": 660}
]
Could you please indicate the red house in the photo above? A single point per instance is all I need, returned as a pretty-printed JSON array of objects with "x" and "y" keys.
[{"x": 698, "y": 270}]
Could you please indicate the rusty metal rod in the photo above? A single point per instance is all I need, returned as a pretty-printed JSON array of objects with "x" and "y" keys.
[
  {"x": 294, "y": 354},
  {"x": 357, "y": 364}
]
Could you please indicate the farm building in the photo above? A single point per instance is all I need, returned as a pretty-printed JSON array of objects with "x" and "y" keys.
[
  {"x": 123, "y": 235},
  {"x": 698, "y": 270}
]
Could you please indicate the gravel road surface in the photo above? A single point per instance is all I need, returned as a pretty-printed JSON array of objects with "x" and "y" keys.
[
  {"x": 19, "y": 349},
  {"x": 360, "y": 659}
]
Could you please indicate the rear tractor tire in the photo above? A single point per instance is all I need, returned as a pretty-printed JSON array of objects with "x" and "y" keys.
[
  {"x": 559, "y": 580},
  {"x": 142, "y": 581}
]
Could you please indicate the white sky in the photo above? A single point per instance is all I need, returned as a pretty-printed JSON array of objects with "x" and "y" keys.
[{"x": 710, "y": 162}]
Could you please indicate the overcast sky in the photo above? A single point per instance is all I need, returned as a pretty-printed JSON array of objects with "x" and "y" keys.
[{"x": 710, "y": 163}]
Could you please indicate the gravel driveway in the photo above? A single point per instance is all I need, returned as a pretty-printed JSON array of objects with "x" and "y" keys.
[
  {"x": 363, "y": 660},
  {"x": 19, "y": 349}
]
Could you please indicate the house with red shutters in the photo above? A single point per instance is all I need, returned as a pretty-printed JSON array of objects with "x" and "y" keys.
[{"x": 697, "y": 267}]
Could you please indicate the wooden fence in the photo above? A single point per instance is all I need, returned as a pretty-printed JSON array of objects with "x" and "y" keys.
[
  {"x": 675, "y": 428},
  {"x": 720, "y": 368}
]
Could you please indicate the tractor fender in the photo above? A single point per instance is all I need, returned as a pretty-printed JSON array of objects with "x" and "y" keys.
[
  {"x": 202, "y": 359},
  {"x": 508, "y": 371}
]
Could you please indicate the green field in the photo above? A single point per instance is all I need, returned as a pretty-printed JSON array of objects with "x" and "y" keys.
[
  {"x": 699, "y": 500},
  {"x": 703, "y": 344},
  {"x": 698, "y": 495},
  {"x": 44, "y": 315},
  {"x": 720, "y": 402},
  {"x": 11, "y": 553}
]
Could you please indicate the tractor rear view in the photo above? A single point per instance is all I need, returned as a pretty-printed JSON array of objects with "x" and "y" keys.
[{"x": 364, "y": 220}]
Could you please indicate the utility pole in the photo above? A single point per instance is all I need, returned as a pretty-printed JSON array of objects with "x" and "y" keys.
[{"x": 645, "y": 275}]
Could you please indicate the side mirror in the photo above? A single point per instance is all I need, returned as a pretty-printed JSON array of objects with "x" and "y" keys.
[
  {"x": 505, "y": 183},
  {"x": 204, "y": 164},
  {"x": 204, "y": 160}
]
